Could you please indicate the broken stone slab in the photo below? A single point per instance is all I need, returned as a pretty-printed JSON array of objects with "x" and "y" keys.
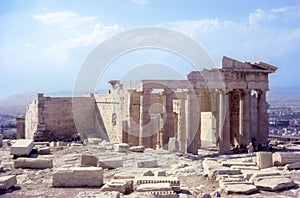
[
  {"x": 264, "y": 159},
  {"x": 146, "y": 164},
  {"x": 122, "y": 147},
  {"x": 7, "y": 182},
  {"x": 283, "y": 158},
  {"x": 44, "y": 150},
  {"x": 110, "y": 163},
  {"x": 73, "y": 144},
  {"x": 125, "y": 175},
  {"x": 122, "y": 186},
  {"x": 174, "y": 181},
  {"x": 78, "y": 177},
  {"x": 293, "y": 166},
  {"x": 217, "y": 173},
  {"x": 89, "y": 160},
  {"x": 263, "y": 174},
  {"x": 256, "y": 180},
  {"x": 173, "y": 144},
  {"x": 274, "y": 184},
  {"x": 240, "y": 189},
  {"x": 33, "y": 163},
  {"x": 21, "y": 147},
  {"x": 238, "y": 163},
  {"x": 245, "y": 167},
  {"x": 138, "y": 149}
]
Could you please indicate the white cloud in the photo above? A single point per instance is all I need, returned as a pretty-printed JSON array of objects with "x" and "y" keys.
[
  {"x": 140, "y": 1},
  {"x": 194, "y": 27},
  {"x": 64, "y": 19},
  {"x": 278, "y": 10},
  {"x": 258, "y": 16},
  {"x": 99, "y": 33}
]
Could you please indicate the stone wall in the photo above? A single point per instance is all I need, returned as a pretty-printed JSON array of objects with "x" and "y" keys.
[
  {"x": 57, "y": 116},
  {"x": 110, "y": 109}
]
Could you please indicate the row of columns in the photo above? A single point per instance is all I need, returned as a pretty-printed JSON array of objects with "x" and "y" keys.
[{"x": 189, "y": 119}]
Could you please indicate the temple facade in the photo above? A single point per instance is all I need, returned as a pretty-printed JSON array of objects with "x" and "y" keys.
[{"x": 221, "y": 107}]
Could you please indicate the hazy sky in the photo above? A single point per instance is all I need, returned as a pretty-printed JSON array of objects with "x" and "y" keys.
[{"x": 44, "y": 43}]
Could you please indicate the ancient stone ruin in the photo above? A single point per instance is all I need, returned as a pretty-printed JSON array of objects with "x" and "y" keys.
[{"x": 217, "y": 107}]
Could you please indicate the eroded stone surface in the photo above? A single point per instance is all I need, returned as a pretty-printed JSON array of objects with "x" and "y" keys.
[
  {"x": 78, "y": 177},
  {"x": 34, "y": 163}
]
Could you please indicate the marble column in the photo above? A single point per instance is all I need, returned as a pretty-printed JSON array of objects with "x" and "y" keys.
[
  {"x": 169, "y": 121},
  {"x": 145, "y": 119},
  {"x": 244, "y": 121},
  {"x": 224, "y": 123},
  {"x": 193, "y": 123},
  {"x": 215, "y": 97},
  {"x": 262, "y": 118},
  {"x": 182, "y": 125}
]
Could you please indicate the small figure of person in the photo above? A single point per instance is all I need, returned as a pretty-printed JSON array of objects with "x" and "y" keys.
[{"x": 250, "y": 150}]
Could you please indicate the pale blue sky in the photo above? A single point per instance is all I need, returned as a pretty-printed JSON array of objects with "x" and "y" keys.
[{"x": 44, "y": 43}]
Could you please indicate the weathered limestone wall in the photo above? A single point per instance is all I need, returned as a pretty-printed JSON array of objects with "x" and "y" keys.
[
  {"x": 110, "y": 109},
  {"x": 56, "y": 115}
]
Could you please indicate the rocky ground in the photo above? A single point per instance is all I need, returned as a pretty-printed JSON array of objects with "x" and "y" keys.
[{"x": 188, "y": 168}]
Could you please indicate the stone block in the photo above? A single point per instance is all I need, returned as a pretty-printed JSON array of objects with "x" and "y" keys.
[
  {"x": 174, "y": 181},
  {"x": 78, "y": 177},
  {"x": 275, "y": 183},
  {"x": 173, "y": 144},
  {"x": 21, "y": 147},
  {"x": 110, "y": 163},
  {"x": 122, "y": 186},
  {"x": 160, "y": 173},
  {"x": 148, "y": 173},
  {"x": 7, "y": 182},
  {"x": 94, "y": 141},
  {"x": 53, "y": 144},
  {"x": 139, "y": 149},
  {"x": 283, "y": 158},
  {"x": 154, "y": 187},
  {"x": 263, "y": 174},
  {"x": 89, "y": 160},
  {"x": 146, "y": 164},
  {"x": 33, "y": 163},
  {"x": 209, "y": 164},
  {"x": 123, "y": 147},
  {"x": 240, "y": 189},
  {"x": 264, "y": 159},
  {"x": 44, "y": 150},
  {"x": 124, "y": 175},
  {"x": 293, "y": 166},
  {"x": 60, "y": 143}
]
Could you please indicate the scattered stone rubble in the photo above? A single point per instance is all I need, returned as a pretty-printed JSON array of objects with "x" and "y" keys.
[{"x": 103, "y": 169}]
